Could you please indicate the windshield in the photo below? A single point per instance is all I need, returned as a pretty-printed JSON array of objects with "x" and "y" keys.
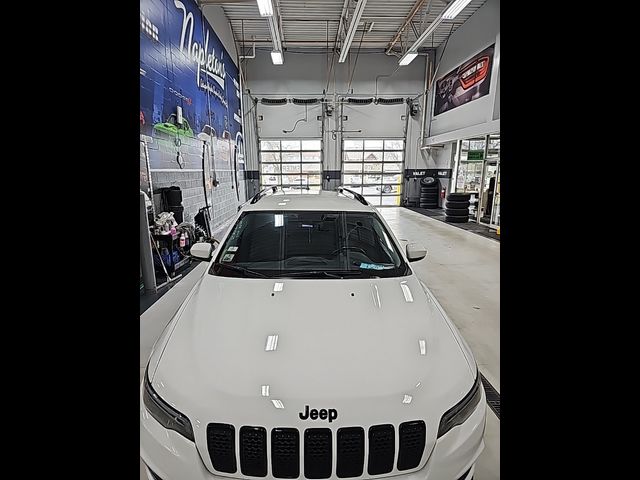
[{"x": 309, "y": 244}]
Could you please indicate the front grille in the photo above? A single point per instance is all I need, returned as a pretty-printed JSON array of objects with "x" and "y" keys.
[
  {"x": 350, "y": 452},
  {"x": 382, "y": 449},
  {"x": 317, "y": 452},
  {"x": 253, "y": 451},
  {"x": 412, "y": 440},
  {"x": 221, "y": 443},
  {"x": 285, "y": 452},
  {"x": 285, "y": 444}
]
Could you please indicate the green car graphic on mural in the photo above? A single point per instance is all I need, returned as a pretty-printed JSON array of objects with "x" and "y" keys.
[{"x": 172, "y": 127}]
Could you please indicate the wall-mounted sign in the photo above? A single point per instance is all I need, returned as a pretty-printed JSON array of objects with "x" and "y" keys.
[
  {"x": 466, "y": 83},
  {"x": 475, "y": 155},
  {"x": 428, "y": 172}
]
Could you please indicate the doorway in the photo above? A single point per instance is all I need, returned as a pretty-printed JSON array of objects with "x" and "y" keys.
[
  {"x": 477, "y": 173},
  {"x": 487, "y": 193}
]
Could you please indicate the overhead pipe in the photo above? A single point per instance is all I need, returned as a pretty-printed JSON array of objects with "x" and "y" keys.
[
  {"x": 253, "y": 54},
  {"x": 320, "y": 43}
]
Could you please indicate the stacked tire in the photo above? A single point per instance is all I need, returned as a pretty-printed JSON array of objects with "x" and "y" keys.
[
  {"x": 456, "y": 208},
  {"x": 429, "y": 190}
]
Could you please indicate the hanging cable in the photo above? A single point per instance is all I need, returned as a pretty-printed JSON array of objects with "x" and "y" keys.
[
  {"x": 300, "y": 120},
  {"x": 444, "y": 48},
  {"x": 384, "y": 76},
  {"x": 355, "y": 63},
  {"x": 435, "y": 71}
]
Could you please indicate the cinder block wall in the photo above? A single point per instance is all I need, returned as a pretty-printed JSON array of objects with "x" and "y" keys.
[
  {"x": 222, "y": 198},
  {"x": 191, "y": 185}
]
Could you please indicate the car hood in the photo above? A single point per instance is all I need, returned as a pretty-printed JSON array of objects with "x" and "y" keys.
[{"x": 257, "y": 351}]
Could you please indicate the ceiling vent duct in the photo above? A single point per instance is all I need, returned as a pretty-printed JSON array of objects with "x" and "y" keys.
[
  {"x": 304, "y": 101},
  {"x": 274, "y": 101},
  {"x": 360, "y": 101},
  {"x": 390, "y": 101}
]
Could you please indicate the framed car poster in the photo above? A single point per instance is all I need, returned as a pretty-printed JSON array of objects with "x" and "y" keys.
[{"x": 466, "y": 83}]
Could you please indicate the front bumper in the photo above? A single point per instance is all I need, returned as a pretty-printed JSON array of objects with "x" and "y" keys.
[{"x": 172, "y": 457}]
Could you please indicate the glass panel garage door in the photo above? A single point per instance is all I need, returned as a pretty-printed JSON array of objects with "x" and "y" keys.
[
  {"x": 374, "y": 169},
  {"x": 291, "y": 163}
]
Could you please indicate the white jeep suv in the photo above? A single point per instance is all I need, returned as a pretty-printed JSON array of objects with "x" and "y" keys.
[{"x": 311, "y": 350}]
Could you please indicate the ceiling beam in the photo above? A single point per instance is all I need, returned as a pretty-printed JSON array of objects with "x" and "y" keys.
[
  {"x": 414, "y": 10},
  {"x": 221, "y": 2}
]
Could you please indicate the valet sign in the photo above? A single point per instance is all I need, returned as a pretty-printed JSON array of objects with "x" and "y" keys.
[{"x": 205, "y": 60}]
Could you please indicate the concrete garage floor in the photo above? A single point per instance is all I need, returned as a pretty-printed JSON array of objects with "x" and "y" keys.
[{"x": 462, "y": 270}]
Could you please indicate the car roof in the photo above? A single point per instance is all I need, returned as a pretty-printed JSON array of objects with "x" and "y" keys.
[{"x": 323, "y": 200}]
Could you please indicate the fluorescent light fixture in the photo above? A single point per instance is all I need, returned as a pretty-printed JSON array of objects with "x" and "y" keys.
[
  {"x": 277, "y": 58},
  {"x": 407, "y": 399},
  {"x": 454, "y": 9},
  {"x": 407, "y": 58},
  {"x": 265, "y": 390},
  {"x": 265, "y": 7},
  {"x": 277, "y": 403},
  {"x": 278, "y": 219},
  {"x": 355, "y": 20}
]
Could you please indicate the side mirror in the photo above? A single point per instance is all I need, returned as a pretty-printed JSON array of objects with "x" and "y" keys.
[
  {"x": 415, "y": 252},
  {"x": 201, "y": 250}
]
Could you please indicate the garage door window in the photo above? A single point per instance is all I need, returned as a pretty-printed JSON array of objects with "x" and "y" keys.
[
  {"x": 373, "y": 167},
  {"x": 291, "y": 163}
]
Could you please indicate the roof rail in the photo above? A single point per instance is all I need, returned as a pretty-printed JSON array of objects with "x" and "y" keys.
[
  {"x": 356, "y": 196},
  {"x": 263, "y": 193}
]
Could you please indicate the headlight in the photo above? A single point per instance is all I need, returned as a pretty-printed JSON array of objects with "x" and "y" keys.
[
  {"x": 165, "y": 414},
  {"x": 463, "y": 410}
]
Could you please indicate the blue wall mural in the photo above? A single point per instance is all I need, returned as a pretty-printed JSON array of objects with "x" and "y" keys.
[{"x": 184, "y": 64}]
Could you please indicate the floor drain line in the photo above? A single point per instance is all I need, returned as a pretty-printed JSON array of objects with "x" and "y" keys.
[{"x": 493, "y": 397}]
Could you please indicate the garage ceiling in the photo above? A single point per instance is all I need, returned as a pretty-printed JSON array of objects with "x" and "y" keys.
[{"x": 314, "y": 23}]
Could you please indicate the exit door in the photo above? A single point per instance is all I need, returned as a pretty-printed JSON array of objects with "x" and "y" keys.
[{"x": 488, "y": 191}]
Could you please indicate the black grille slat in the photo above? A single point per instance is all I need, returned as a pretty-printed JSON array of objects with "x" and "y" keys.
[
  {"x": 382, "y": 449},
  {"x": 253, "y": 451},
  {"x": 412, "y": 442},
  {"x": 221, "y": 443},
  {"x": 317, "y": 453},
  {"x": 285, "y": 452},
  {"x": 350, "y": 452}
]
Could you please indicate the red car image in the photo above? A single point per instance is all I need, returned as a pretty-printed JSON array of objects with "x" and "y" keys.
[{"x": 468, "y": 82}]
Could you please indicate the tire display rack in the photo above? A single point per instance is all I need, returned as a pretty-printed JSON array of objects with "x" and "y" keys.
[{"x": 429, "y": 191}]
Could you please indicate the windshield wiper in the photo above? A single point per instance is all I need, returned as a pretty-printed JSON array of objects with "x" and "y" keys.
[
  {"x": 246, "y": 271},
  {"x": 325, "y": 273}
]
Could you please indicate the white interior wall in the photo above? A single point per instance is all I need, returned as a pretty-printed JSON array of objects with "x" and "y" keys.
[{"x": 306, "y": 75}]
